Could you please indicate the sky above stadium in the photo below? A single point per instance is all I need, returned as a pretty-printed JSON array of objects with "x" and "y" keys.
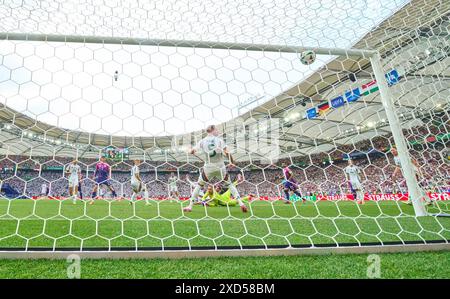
[{"x": 166, "y": 90}]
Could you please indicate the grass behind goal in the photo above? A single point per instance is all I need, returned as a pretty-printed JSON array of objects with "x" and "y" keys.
[{"x": 116, "y": 225}]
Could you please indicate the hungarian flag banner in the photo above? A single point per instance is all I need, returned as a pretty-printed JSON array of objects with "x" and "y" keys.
[{"x": 369, "y": 88}]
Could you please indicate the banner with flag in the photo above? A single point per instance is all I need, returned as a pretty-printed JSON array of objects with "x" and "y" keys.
[
  {"x": 337, "y": 102},
  {"x": 311, "y": 113},
  {"x": 369, "y": 88},
  {"x": 351, "y": 95},
  {"x": 392, "y": 77},
  {"x": 323, "y": 108}
]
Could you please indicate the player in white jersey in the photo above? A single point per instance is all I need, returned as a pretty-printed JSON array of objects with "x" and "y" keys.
[
  {"x": 173, "y": 188},
  {"x": 352, "y": 174},
  {"x": 74, "y": 172},
  {"x": 44, "y": 189},
  {"x": 137, "y": 186},
  {"x": 215, "y": 151},
  {"x": 201, "y": 193},
  {"x": 417, "y": 172}
]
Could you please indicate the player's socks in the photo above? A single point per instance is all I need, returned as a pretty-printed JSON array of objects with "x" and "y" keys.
[
  {"x": 300, "y": 197},
  {"x": 286, "y": 195},
  {"x": 74, "y": 198},
  {"x": 114, "y": 194},
  {"x": 146, "y": 197},
  {"x": 193, "y": 197},
  {"x": 94, "y": 195},
  {"x": 79, "y": 190},
  {"x": 236, "y": 195},
  {"x": 360, "y": 197}
]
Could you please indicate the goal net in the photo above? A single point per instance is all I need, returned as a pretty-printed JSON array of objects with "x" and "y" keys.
[{"x": 332, "y": 121}]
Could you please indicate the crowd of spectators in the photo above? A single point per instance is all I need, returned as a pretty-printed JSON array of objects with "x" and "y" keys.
[{"x": 318, "y": 173}]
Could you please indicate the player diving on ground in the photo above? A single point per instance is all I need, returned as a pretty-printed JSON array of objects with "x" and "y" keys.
[
  {"x": 215, "y": 151},
  {"x": 216, "y": 196}
]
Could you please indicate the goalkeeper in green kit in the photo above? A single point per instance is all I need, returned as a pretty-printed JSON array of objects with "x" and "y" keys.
[{"x": 214, "y": 197}]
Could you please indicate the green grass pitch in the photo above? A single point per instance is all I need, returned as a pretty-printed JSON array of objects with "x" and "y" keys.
[
  {"x": 400, "y": 265},
  {"x": 162, "y": 224},
  {"x": 52, "y": 224}
]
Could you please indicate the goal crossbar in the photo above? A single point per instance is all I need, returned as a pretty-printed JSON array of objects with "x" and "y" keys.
[{"x": 182, "y": 43}]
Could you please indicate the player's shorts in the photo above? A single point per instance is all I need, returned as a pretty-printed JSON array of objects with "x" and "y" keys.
[
  {"x": 173, "y": 189},
  {"x": 291, "y": 186},
  {"x": 211, "y": 172},
  {"x": 102, "y": 181},
  {"x": 73, "y": 182},
  {"x": 355, "y": 186},
  {"x": 137, "y": 186}
]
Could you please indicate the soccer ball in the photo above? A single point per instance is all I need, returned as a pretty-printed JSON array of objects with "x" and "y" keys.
[{"x": 308, "y": 57}]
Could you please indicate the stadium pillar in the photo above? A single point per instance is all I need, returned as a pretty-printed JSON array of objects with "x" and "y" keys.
[{"x": 399, "y": 139}]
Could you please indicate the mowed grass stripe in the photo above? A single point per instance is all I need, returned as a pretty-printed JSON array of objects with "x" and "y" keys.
[
  {"x": 61, "y": 224},
  {"x": 430, "y": 265}
]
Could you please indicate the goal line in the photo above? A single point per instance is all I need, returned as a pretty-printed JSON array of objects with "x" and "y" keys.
[{"x": 179, "y": 254}]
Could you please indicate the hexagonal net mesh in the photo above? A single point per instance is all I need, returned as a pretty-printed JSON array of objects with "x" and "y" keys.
[{"x": 192, "y": 124}]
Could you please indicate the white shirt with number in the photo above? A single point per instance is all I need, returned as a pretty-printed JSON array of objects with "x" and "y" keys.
[
  {"x": 134, "y": 172},
  {"x": 74, "y": 171},
  {"x": 353, "y": 172},
  {"x": 173, "y": 183},
  {"x": 212, "y": 147},
  {"x": 399, "y": 164},
  {"x": 44, "y": 189}
]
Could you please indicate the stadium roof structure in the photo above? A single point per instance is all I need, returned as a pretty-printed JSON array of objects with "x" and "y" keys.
[{"x": 420, "y": 23}]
